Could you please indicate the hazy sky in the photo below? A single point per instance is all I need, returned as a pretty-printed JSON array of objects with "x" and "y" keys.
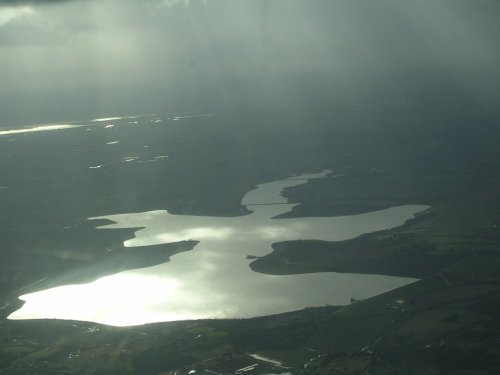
[{"x": 116, "y": 46}]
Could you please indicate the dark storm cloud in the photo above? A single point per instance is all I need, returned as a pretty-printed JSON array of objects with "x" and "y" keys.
[
  {"x": 142, "y": 52},
  {"x": 30, "y": 2}
]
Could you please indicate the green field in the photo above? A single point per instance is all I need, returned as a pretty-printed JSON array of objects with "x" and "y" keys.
[{"x": 446, "y": 323}]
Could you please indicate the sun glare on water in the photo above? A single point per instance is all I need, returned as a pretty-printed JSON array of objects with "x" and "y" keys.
[{"x": 40, "y": 128}]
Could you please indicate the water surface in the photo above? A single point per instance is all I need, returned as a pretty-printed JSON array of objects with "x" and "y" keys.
[{"x": 214, "y": 280}]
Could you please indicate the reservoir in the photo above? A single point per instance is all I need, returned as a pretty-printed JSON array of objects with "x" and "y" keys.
[{"x": 214, "y": 279}]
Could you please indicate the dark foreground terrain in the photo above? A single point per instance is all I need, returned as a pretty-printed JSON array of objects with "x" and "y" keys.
[
  {"x": 444, "y": 324},
  {"x": 447, "y": 323}
]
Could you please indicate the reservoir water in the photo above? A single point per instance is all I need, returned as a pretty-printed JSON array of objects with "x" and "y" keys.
[{"x": 214, "y": 280}]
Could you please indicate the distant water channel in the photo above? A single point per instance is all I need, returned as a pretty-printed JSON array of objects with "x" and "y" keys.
[{"x": 214, "y": 280}]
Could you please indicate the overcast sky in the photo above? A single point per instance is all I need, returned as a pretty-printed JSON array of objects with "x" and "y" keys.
[{"x": 110, "y": 46}]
